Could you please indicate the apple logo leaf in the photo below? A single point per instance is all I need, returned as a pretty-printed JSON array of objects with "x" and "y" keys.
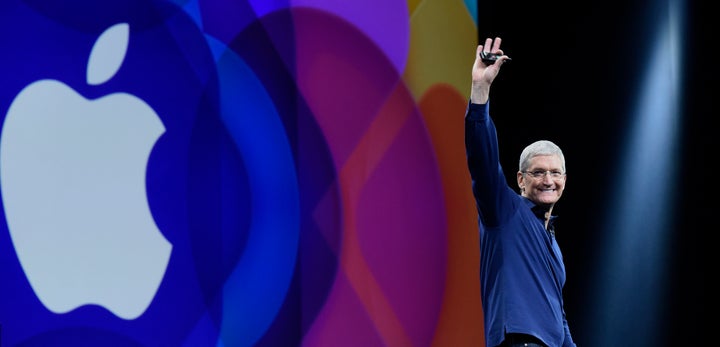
[{"x": 107, "y": 54}]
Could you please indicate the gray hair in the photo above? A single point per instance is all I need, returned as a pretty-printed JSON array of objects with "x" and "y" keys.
[{"x": 541, "y": 147}]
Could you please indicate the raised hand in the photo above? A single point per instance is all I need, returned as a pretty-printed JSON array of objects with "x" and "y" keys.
[{"x": 483, "y": 73}]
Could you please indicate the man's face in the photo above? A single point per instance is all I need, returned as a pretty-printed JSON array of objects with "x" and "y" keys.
[{"x": 544, "y": 181}]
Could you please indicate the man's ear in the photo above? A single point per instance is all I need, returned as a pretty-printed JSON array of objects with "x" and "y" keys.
[{"x": 521, "y": 181}]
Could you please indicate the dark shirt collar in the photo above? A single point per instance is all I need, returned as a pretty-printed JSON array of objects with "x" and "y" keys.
[{"x": 540, "y": 212}]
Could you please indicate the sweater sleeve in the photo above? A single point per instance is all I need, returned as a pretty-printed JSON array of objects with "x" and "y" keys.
[{"x": 489, "y": 186}]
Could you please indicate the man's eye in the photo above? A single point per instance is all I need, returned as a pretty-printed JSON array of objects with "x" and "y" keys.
[{"x": 541, "y": 173}]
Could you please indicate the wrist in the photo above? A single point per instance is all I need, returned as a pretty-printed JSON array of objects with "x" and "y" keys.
[{"x": 479, "y": 95}]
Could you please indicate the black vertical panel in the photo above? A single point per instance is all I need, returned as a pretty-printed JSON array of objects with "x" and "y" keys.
[
  {"x": 576, "y": 71},
  {"x": 694, "y": 243}
]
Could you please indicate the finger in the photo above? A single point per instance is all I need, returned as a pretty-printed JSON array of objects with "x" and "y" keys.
[
  {"x": 496, "y": 45},
  {"x": 488, "y": 44}
]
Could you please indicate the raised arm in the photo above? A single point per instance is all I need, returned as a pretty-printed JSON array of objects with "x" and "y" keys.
[{"x": 491, "y": 191}]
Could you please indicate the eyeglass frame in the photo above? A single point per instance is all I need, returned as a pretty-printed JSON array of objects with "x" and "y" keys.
[{"x": 540, "y": 174}]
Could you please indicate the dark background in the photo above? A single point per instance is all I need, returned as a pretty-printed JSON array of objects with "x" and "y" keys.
[{"x": 574, "y": 77}]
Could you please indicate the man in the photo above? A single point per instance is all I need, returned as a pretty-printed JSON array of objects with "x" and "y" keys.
[{"x": 521, "y": 267}]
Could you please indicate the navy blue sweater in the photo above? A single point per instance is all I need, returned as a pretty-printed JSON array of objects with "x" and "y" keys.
[{"x": 521, "y": 267}]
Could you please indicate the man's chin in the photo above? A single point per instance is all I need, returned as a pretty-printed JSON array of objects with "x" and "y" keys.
[{"x": 546, "y": 200}]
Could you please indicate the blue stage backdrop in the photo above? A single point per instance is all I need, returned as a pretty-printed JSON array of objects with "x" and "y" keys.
[{"x": 236, "y": 173}]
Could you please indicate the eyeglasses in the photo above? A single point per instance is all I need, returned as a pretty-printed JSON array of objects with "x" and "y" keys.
[{"x": 537, "y": 174}]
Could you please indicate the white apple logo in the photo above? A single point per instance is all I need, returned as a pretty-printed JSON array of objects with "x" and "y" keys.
[{"x": 72, "y": 174}]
